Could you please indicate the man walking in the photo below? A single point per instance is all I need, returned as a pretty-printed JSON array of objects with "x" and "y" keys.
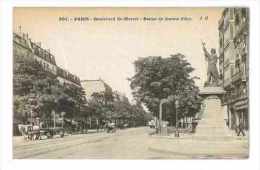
[{"x": 240, "y": 128}]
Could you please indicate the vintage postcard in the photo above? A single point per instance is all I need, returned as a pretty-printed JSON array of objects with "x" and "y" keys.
[{"x": 130, "y": 83}]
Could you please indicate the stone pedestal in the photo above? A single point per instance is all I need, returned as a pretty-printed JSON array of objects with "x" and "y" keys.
[{"x": 212, "y": 123}]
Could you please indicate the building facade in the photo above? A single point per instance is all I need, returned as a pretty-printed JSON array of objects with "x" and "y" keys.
[
  {"x": 23, "y": 46},
  {"x": 234, "y": 64},
  {"x": 66, "y": 77},
  {"x": 95, "y": 86},
  {"x": 99, "y": 90}
]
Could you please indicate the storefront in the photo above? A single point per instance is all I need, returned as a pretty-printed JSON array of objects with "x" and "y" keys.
[{"x": 241, "y": 109}]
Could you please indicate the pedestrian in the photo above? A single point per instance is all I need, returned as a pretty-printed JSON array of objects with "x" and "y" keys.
[{"x": 240, "y": 128}]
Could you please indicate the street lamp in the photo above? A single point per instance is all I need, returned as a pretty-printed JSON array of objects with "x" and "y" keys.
[
  {"x": 162, "y": 101},
  {"x": 176, "y": 102},
  {"x": 31, "y": 115},
  {"x": 160, "y": 113},
  {"x": 62, "y": 115},
  {"x": 54, "y": 118},
  {"x": 32, "y": 101}
]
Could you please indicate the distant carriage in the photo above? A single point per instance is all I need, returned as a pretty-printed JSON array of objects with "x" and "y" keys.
[{"x": 111, "y": 127}]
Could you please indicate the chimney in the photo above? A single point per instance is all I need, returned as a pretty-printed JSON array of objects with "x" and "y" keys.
[
  {"x": 39, "y": 44},
  {"x": 27, "y": 38},
  {"x": 20, "y": 29},
  {"x": 30, "y": 44}
]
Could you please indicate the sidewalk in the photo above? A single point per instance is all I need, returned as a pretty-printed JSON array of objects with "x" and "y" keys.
[
  {"x": 90, "y": 132},
  {"x": 192, "y": 147}
]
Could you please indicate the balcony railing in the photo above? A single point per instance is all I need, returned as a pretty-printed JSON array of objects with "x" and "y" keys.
[
  {"x": 240, "y": 28},
  {"x": 226, "y": 82},
  {"x": 231, "y": 98},
  {"x": 237, "y": 76}
]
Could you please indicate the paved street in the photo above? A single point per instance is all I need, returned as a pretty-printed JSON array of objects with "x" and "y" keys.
[{"x": 133, "y": 143}]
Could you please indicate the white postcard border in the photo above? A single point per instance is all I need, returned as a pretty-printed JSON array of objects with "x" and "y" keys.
[{"x": 6, "y": 94}]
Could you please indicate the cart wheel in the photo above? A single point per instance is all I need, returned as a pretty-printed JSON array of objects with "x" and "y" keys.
[
  {"x": 61, "y": 134},
  {"x": 48, "y": 135},
  {"x": 31, "y": 137}
]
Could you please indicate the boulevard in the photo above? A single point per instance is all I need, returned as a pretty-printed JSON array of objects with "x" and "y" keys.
[{"x": 132, "y": 143}]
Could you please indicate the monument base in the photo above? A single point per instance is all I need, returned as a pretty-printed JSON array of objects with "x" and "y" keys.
[{"x": 212, "y": 123}]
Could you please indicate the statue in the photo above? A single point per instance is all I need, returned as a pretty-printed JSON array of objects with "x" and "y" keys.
[{"x": 212, "y": 72}]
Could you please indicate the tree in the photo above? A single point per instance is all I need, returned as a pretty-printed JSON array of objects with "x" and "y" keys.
[
  {"x": 128, "y": 112},
  {"x": 33, "y": 83},
  {"x": 157, "y": 78},
  {"x": 26, "y": 72},
  {"x": 73, "y": 101},
  {"x": 119, "y": 109},
  {"x": 139, "y": 115}
]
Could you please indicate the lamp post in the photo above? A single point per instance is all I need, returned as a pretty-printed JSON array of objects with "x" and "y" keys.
[
  {"x": 62, "y": 115},
  {"x": 31, "y": 115},
  {"x": 32, "y": 101},
  {"x": 160, "y": 113},
  {"x": 176, "y": 102},
  {"x": 54, "y": 118}
]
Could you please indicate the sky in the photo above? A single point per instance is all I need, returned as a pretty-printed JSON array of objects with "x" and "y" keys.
[{"x": 107, "y": 49}]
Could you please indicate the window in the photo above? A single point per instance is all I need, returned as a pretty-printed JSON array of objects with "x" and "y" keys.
[
  {"x": 237, "y": 65},
  {"x": 237, "y": 19},
  {"x": 244, "y": 12},
  {"x": 231, "y": 31},
  {"x": 220, "y": 43},
  {"x": 231, "y": 12},
  {"x": 36, "y": 51}
]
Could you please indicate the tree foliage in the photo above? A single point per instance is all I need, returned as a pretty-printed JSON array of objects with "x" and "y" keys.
[
  {"x": 119, "y": 108},
  {"x": 157, "y": 78},
  {"x": 38, "y": 92}
]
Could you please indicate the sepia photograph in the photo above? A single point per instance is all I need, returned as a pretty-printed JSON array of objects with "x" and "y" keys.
[{"x": 132, "y": 83}]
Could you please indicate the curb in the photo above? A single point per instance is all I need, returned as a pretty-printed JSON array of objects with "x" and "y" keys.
[{"x": 234, "y": 156}]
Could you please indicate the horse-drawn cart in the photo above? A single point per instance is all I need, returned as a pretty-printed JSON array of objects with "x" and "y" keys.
[{"x": 35, "y": 133}]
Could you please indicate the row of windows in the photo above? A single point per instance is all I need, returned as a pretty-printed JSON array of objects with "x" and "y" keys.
[
  {"x": 67, "y": 75},
  {"x": 237, "y": 11},
  {"x": 20, "y": 40},
  {"x": 45, "y": 58},
  {"x": 66, "y": 82},
  {"x": 43, "y": 54},
  {"x": 47, "y": 66},
  {"x": 52, "y": 68},
  {"x": 27, "y": 43},
  {"x": 229, "y": 29}
]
